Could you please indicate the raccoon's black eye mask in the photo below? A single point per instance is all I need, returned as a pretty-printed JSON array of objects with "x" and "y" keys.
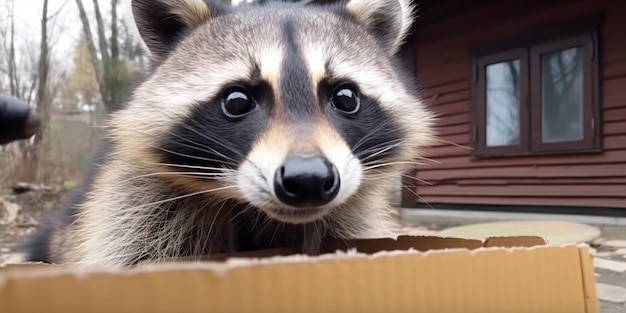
[{"x": 238, "y": 101}]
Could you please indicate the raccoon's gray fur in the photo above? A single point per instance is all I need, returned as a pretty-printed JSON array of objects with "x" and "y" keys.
[{"x": 261, "y": 125}]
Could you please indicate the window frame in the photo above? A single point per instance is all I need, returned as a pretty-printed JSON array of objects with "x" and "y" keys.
[
  {"x": 528, "y": 48},
  {"x": 586, "y": 143},
  {"x": 480, "y": 128}
]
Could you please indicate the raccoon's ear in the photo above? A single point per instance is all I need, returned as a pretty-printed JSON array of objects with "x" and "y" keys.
[
  {"x": 390, "y": 20},
  {"x": 160, "y": 23}
]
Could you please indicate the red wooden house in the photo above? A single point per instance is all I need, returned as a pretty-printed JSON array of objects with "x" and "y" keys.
[{"x": 531, "y": 98}]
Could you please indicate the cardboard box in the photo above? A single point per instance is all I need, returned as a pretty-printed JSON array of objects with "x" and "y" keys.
[{"x": 410, "y": 274}]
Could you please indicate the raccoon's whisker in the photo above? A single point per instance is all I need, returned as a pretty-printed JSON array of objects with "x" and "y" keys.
[
  {"x": 188, "y": 155},
  {"x": 223, "y": 169},
  {"x": 379, "y": 163},
  {"x": 377, "y": 177},
  {"x": 397, "y": 143},
  {"x": 262, "y": 223},
  {"x": 203, "y": 148},
  {"x": 393, "y": 186},
  {"x": 453, "y": 143},
  {"x": 324, "y": 224},
  {"x": 358, "y": 196},
  {"x": 229, "y": 213},
  {"x": 192, "y": 174},
  {"x": 193, "y": 129},
  {"x": 219, "y": 142},
  {"x": 379, "y": 146},
  {"x": 357, "y": 154},
  {"x": 259, "y": 217},
  {"x": 184, "y": 196},
  {"x": 264, "y": 226},
  {"x": 417, "y": 195},
  {"x": 242, "y": 211},
  {"x": 213, "y": 178},
  {"x": 378, "y": 149},
  {"x": 304, "y": 233},
  {"x": 334, "y": 231},
  {"x": 376, "y": 172},
  {"x": 208, "y": 178},
  {"x": 368, "y": 135},
  {"x": 220, "y": 169},
  {"x": 381, "y": 151},
  {"x": 417, "y": 179},
  {"x": 376, "y": 162},
  {"x": 317, "y": 229},
  {"x": 427, "y": 159},
  {"x": 208, "y": 149},
  {"x": 215, "y": 140},
  {"x": 214, "y": 219},
  {"x": 367, "y": 168},
  {"x": 200, "y": 235}
]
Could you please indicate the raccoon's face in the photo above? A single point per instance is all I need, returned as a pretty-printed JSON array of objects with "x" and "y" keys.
[{"x": 296, "y": 110}]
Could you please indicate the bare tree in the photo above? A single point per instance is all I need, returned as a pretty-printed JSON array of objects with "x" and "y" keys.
[
  {"x": 43, "y": 101},
  {"x": 13, "y": 81},
  {"x": 19, "y": 60},
  {"x": 107, "y": 68},
  {"x": 44, "y": 65}
]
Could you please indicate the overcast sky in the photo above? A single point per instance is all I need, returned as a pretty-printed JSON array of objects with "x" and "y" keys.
[{"x": 63, "y": 29}]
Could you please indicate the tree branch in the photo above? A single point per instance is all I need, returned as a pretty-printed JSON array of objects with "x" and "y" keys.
[{"x": 54, "y": 15}]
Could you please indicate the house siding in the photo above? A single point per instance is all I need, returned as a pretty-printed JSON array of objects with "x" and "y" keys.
[{"x": 443, "y": 70}]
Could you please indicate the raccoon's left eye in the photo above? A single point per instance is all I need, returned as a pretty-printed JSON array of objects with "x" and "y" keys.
[
  {"x": 346, "y": 99},
  {"x": 237, "y": 102}
]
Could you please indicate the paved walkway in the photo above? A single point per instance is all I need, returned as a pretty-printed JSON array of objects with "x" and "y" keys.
[{"x": 610, "y": 264}]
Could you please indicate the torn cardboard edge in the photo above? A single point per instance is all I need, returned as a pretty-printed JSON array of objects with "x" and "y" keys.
[
  {"x": 369, "y": 246},
  {"x": 331, "y": 250},
  {"x": 234, "y": 261}
]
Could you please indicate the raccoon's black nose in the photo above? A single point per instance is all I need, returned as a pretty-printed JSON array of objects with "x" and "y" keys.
[{"x": 306, "y": 181}]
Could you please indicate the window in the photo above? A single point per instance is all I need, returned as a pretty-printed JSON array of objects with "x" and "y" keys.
[{"x": 537, "y": 98}]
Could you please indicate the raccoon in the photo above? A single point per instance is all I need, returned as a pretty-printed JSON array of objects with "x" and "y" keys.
[{"x": 261, "y": 125}]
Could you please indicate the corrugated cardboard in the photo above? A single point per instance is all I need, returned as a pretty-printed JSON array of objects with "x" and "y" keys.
[{"x": 411, "y": 274}]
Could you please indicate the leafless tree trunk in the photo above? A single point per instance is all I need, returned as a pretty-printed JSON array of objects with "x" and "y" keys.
[
  {"x": 107, "y": 67},
  {"x": 43, "y": 101},
  {"x": 115, "y": 49},
  {"x": 43, "y": 61},
  {"x": 92, "y": 48},
  {"x": 115, "y": 81},
  {"x": 102, "y": 40},
  {"x": 14, "y": 83}
]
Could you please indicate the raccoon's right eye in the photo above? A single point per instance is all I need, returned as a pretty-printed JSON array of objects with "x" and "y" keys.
[
  {"x": 346, "y": 99},
  {"x": 237, "y": 102}
]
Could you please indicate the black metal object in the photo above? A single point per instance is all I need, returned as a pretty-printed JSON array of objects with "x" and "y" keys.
[{"x": 17, "y": 120}]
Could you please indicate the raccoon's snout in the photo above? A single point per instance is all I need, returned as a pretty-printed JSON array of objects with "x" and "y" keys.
[{"x": 306, "y": 181}]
